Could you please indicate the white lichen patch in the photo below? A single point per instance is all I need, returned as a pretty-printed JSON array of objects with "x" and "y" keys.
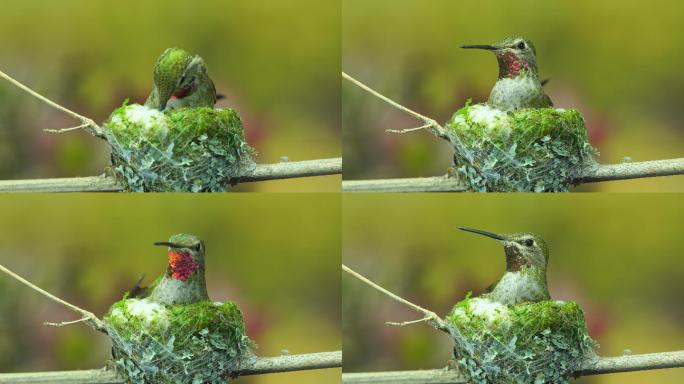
[
  {"x": 484, "y": 309},
  {"x": 146, "y": 118},
  {"x": 145, "y": 311},
  {"x": 486, "y": 116}
]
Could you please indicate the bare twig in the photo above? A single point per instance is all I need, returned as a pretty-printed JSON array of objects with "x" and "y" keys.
[
  {"x": 635, "y": 170},
  {"x": 85, "y": 122},
  {"x": 276, "y": 171},
  {"x": 418, "y": 184},
  {"x": 430, "y": 317},
  {"x": 428, "y": 122},
  {"x": 63, "y": 323},
  {"x": 261, "y": 365},
  {"x": 290, "y": 363},
  {"x": 88, "y": 317},
  {"x": 601, "y": 365}
]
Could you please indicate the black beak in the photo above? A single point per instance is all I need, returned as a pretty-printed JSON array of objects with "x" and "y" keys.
[
  {"x": 486, "y": 47},
  {"x": 167, "y": 244},
  {"x": 483, "y": 233}
]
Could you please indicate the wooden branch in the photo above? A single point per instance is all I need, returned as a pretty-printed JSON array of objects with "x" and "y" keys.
[
  {"x": 602, "y": 365},
  {"x": 284, "y": 170},
  {"x": 607, "y": 172},
  {"x": 631, "y": 363},
  {"x": 427, "y": 376},
  {"x": 291, "y": 363},
  {"x": 625, "y": 171},
  {"x": 262, "y": 365},
  {"x": 418, "y": 184}
]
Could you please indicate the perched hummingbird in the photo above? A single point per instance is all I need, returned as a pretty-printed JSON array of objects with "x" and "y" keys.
[
  {"x": 518, "y": 85},
  {"x": 183, "y": 282},
  {"x": 525, "y": 278},
  {"x": 181, "y": 80}
]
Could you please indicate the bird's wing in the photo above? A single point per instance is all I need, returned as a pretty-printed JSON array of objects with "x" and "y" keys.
[
  {"x": 491, "y": 287},
  {"x": 137, "y": 290}
]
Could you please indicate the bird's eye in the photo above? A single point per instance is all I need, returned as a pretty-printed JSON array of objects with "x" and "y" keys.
[
  {"x": 198, "y": 247},
  {"x": 521, "y": 45},
  {"x": 528, "y": 242}
]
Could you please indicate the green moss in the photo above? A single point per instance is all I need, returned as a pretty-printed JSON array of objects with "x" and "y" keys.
[
  {"x": 204, "y": 341},
  {"x": 534, "y": 149},
  {"x": 187, "y": 149},
  {"x": 541, "y": 342}
]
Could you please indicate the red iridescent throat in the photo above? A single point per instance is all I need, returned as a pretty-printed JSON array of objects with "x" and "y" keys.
[
  {"x": 182, "y": 265},
  {"x": 510, "y": 65},
  {"x": 182, "y": 93}
]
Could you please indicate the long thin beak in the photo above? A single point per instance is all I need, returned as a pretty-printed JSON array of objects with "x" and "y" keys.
[
  {"x": 483, "y": 233},
  {"x": 480, "y": 46},
  {"x": 167, "y": 244}
]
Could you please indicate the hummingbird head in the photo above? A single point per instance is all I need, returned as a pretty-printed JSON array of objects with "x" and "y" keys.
[
  {"x": 522, "y": 249},
  {"x": 516, "y": 56},
  {"x": 177, "y": 74},
  {"x": 186, "y": 255}
]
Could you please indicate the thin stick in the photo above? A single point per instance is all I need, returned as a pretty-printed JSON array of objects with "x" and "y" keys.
[
  {"x": 62, "y": 130},
  {"x": 86, "y": 122},
  {"x": 262, "y": 365},
  {"x": 89, "y": 316},
  {"x": 430, "y": 317},
  {"x": 429, "y": 123},
  {"x": 405, "y": 323},
  {"x": 63, "y": 323}
]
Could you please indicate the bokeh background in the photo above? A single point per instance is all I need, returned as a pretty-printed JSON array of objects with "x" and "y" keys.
[
  {"x": 276, "y": 255},
  {"x": 618, "y": 65},
  {"x": 279, "y": 69},
  {"x": 619, "y": 256}
]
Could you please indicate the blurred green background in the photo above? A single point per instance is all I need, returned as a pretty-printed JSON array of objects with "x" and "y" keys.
[
  {"x": 280, "y": 70},
  {"x": 276, "y": 255},
  {"x": 617, "y": 63},
  {"x": 619, "y": 256}
]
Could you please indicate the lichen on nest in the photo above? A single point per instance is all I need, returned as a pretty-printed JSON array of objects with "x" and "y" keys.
[
  {"x": 532, "y": 342},
  {"x": 181, "y": 150},
  {"x": 203, "y": 342},
  {"x": 528, "y": 150}
]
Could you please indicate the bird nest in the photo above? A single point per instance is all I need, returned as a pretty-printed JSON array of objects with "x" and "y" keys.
[
  {"x": 182, "y": 150},
  {"x": 528, "y": 150},
  {"x": 541, "y": 342},
  {"x": 203, "y": 342}
]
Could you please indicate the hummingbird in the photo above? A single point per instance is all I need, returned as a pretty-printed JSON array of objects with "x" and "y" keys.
[
  {"x": 525, "y": 278},
  {"x": 183, "y": 282},
  {"x": 181, "y": 80},
  {"x": 518, "y": 85}
]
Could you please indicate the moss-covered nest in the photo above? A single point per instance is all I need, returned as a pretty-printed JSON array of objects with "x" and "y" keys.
[
  {"x": 540, "y": 343},
  {"x": 204, "y": 342},
  {"x": 182, "y": 150},
  {"x": 528, "y": 150}
]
